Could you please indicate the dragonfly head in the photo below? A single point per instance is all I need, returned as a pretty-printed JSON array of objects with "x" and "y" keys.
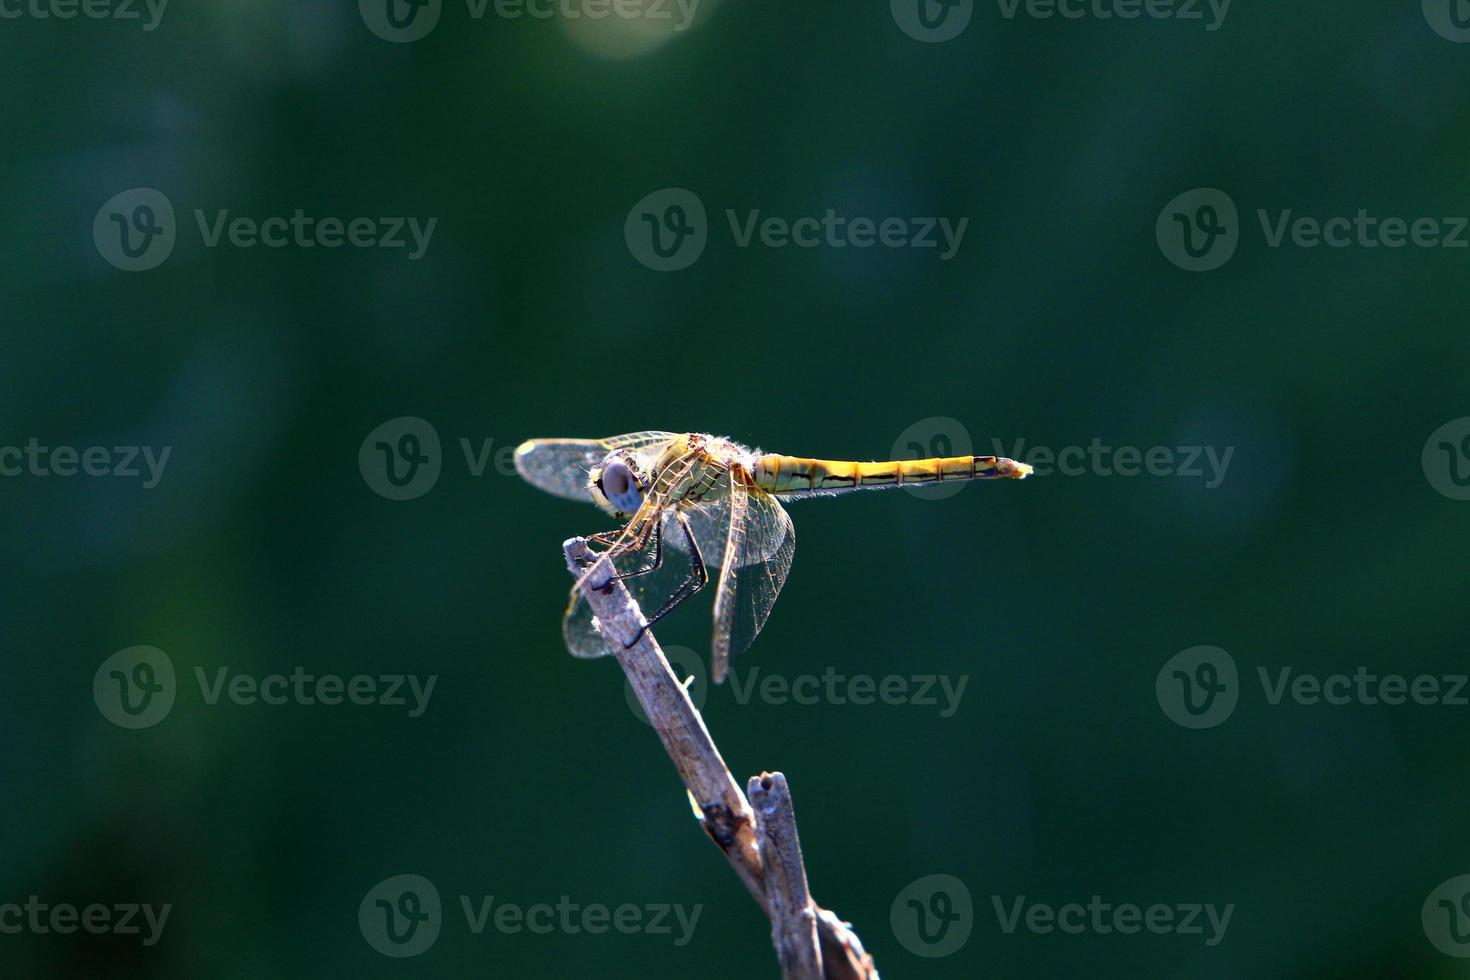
[{"x": 617, "y": 485}]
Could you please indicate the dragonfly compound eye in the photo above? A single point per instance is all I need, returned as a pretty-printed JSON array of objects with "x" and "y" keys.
[{"x": 620, "y": 487}]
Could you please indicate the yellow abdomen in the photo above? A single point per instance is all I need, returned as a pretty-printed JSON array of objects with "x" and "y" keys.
[{"x": 797, "y": 475}]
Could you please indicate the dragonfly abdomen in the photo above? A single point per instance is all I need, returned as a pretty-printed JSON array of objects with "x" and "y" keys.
[{"x": 796, "y": 475}]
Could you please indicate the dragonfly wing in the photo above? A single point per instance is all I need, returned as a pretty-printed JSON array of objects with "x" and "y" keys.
[
  {"x": 710, "y": 522},
  {"x": 745, "y": 540},
  {"x": 650, "y": 587},
  {"x": 727, "y": 590},
  {"x": 760, "y": 542},
  {"x": 560, "y": 466}
]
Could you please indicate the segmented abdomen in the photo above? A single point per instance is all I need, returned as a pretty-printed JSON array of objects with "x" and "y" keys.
[{"x": 780, "y": 474}]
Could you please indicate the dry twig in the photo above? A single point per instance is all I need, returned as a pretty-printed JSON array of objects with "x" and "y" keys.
[{"x": 760, "y": 843}]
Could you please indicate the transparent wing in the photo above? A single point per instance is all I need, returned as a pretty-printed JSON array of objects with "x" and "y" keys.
[
  {"x": 751, "y": 582},
  {"x": 560, "y": 466},
  {"x": 710, "y": 521},
  {"x": 634, "y": 551},
  {"x": 745, "y": 539},
  {"x": 760, "y": 542}
]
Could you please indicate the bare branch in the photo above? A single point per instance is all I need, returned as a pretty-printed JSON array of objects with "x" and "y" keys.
[
  {"x": 763, "y": 848},
  {"x": 793, "y": 916},
  {"x": 727, "y": 816},
  {"x": 843, "y": 956}
]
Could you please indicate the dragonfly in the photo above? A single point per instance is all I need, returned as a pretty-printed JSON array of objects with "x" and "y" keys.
[{"x": 719, "y": 505}]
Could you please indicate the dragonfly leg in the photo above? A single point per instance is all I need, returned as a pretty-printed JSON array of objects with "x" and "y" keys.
[
  {"x": 698, "y": 578},
  {"x": 610, "y": 538},
  {"x": 658, "y": 556},
  {"x": 605, "y": 538}
]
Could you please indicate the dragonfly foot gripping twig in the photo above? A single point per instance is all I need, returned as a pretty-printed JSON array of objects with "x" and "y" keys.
[{"x": 756, "y": 834}]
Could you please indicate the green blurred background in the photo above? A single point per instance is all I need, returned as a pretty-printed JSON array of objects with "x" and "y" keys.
[{"x": 1061, "y": 320}]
